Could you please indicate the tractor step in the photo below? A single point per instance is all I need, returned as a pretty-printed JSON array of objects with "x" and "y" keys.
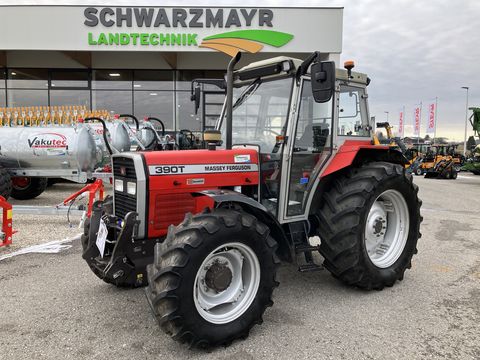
[
  {"x": 310, "y": 267},
  {"x": 306, "y": 248}
]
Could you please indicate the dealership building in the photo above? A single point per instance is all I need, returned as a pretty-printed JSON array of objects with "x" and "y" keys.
[{"x": 141, "y": 59}]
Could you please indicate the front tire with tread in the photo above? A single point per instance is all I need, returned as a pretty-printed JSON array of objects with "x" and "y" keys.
[{"x": 177, "y": 260}]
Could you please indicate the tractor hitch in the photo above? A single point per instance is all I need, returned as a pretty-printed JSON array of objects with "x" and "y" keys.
[{"x": 125, "y": 258}]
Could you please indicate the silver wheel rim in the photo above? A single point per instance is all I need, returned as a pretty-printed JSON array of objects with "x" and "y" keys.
[
  {"x": 233, "y": 260},
  {"x": 387, "y": 227}
]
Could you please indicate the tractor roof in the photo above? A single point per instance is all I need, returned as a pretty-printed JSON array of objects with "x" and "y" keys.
[{"x": 341, "y": 74}]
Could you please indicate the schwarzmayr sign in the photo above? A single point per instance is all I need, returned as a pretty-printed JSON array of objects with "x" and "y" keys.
[{"x": 166, "y": 27}]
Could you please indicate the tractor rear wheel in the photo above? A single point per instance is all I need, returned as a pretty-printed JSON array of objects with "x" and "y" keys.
[
  {"x": 213, "y": 277},
  {"x": 5, "y": 183},
  {"x": 369, "y": 225},
  {"x": 26, "y": 188}
]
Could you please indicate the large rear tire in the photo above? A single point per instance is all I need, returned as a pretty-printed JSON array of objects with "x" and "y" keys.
[
  {"x": 5, "y": 183},
  {"x": 213, "y": 277},
  {"x": 26, "y": 188},
  {"x": 369, "y": 225}
]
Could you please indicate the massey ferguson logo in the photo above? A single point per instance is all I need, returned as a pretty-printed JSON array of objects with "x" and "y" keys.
[{"x": 47, "y": 140}]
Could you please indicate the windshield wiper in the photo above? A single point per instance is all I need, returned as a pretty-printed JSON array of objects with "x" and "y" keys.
[{"x": 247, "y": 92}]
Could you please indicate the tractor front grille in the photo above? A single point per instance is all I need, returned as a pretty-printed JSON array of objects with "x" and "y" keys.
[
  {"x": 124, "y": 170},
  {"x": 124, "y": 204}
]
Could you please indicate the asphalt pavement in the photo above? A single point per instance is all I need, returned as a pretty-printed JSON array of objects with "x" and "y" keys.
[{"x": 53, "y": 307}]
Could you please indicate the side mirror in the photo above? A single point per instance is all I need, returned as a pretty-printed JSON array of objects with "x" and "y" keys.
[
  {"x": 195, "y": 96},
  {"x": 323, "y": 80}
]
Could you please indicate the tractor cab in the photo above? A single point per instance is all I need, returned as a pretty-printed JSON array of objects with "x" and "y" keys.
[{"x": 275, "y": 110}]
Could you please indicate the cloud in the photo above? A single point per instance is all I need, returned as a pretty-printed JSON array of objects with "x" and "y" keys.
[{"x": 412, "y": 50}]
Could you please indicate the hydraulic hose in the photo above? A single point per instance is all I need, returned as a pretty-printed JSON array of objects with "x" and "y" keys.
[
  {"x": 90, "y": 119},
  {"x": 137, "y": 124},
  {"x": 159, "y": 121}
]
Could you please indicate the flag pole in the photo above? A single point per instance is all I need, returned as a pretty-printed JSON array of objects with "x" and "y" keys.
[
  {"x": 419, "y": 123},
  {"x": 403, "y": 125}
]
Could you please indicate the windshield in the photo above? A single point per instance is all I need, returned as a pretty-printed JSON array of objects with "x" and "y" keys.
[{"x": 260, "y": 112}]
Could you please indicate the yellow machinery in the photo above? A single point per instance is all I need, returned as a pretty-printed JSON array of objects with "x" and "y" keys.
[{"x": 437, "y": 163}]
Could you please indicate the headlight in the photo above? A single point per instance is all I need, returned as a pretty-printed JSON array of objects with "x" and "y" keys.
[
  {"x": 131, "y": 188},
  {"x": 118, "y": 185}
]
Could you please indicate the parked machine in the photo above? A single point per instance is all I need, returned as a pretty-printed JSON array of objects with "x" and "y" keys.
[
  {"x": 207, "y": 229},
  {"x": 78, "y": 152},
  {"x": 437, "y": 162},
  {"x": 472, "y": 164},
  {"x": 30, "y": 155}
]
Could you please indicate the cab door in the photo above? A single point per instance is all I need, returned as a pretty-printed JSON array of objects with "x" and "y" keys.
[{"x": 310, "y": 146}]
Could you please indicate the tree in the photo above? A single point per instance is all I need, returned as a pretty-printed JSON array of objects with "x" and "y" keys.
[{"x": 471, "y": 143}]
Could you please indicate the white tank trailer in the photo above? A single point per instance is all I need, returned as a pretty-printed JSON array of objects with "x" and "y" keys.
[
  {"x": 60, "y": 152},
  {"x": 30, "y": 155}
]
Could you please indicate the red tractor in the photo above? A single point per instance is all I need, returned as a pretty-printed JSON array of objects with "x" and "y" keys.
[{"x": 207, "y": 229}]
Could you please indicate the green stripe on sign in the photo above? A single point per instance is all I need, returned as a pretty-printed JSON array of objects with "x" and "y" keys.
[{"x": 269, "y": 37}]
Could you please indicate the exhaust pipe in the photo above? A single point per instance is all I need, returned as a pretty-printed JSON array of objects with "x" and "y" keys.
[{"x": 228, "y": 128}]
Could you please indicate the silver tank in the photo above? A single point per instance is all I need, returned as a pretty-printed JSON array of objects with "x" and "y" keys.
[
  {"x": 119, "y": 140},
  {"x": 53, "y": 149}
]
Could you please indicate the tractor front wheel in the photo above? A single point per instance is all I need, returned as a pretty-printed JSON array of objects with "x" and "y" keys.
[
  {"x": 369, "y": 225},
  {"x": 213, "y": 277}
]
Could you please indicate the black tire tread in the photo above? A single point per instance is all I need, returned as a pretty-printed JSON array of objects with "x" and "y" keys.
[
  {"x": 164, "y": 275},
  {"x": 5, "y": 183},
  {"x": 340, "y": 222},
  {"x": 36, "y": 187}
]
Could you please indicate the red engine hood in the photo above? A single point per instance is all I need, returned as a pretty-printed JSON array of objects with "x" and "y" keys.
[
  {"x": 236, "y": 156},
  {"x": 202, "y": 168}
]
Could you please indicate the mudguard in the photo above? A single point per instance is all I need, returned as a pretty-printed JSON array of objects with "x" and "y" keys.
[{"x": 286, "y": 248}]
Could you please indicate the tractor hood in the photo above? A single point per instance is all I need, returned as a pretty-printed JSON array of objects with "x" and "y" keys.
[{"x": 201, "y": 168}]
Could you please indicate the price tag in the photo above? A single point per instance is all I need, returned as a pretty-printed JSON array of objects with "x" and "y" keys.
[{"x": 101, "y": 237}]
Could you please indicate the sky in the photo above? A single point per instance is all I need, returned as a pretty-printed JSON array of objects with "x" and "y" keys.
[{"x": 413, "y": 50}]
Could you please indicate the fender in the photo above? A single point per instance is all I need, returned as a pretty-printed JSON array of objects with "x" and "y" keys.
[
  {"x": 223, "y": 196},
  {"x": 356, "y": 151}
]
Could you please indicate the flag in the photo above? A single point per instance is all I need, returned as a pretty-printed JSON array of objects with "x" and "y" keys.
[
  {"x": 417, "y": 122},
  {"x": 431, "y": 118},
  {"x": 400, "y": 125}
]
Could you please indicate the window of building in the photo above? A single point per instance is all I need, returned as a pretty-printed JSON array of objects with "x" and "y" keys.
[
  {"x": 69, "y": 79},
  {"x": 26, "y": 97},
  {"x": 155, "y": 103},
  {"x": 112, "y": 79},
  {"x": 27, "y": 78},
  {"x": 70, "y": 97},
  {"x": 186, "y": 117},
  {"x": 185, "y": 77},
  {"x": 153, "y": 80},
  {"x": 120, "y": 102},
  {"x": 3, "y": 99},
  {"x": 3, "y": 74}
]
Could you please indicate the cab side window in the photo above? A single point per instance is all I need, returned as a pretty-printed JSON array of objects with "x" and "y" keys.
[{"x": 352, "y": 112}]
